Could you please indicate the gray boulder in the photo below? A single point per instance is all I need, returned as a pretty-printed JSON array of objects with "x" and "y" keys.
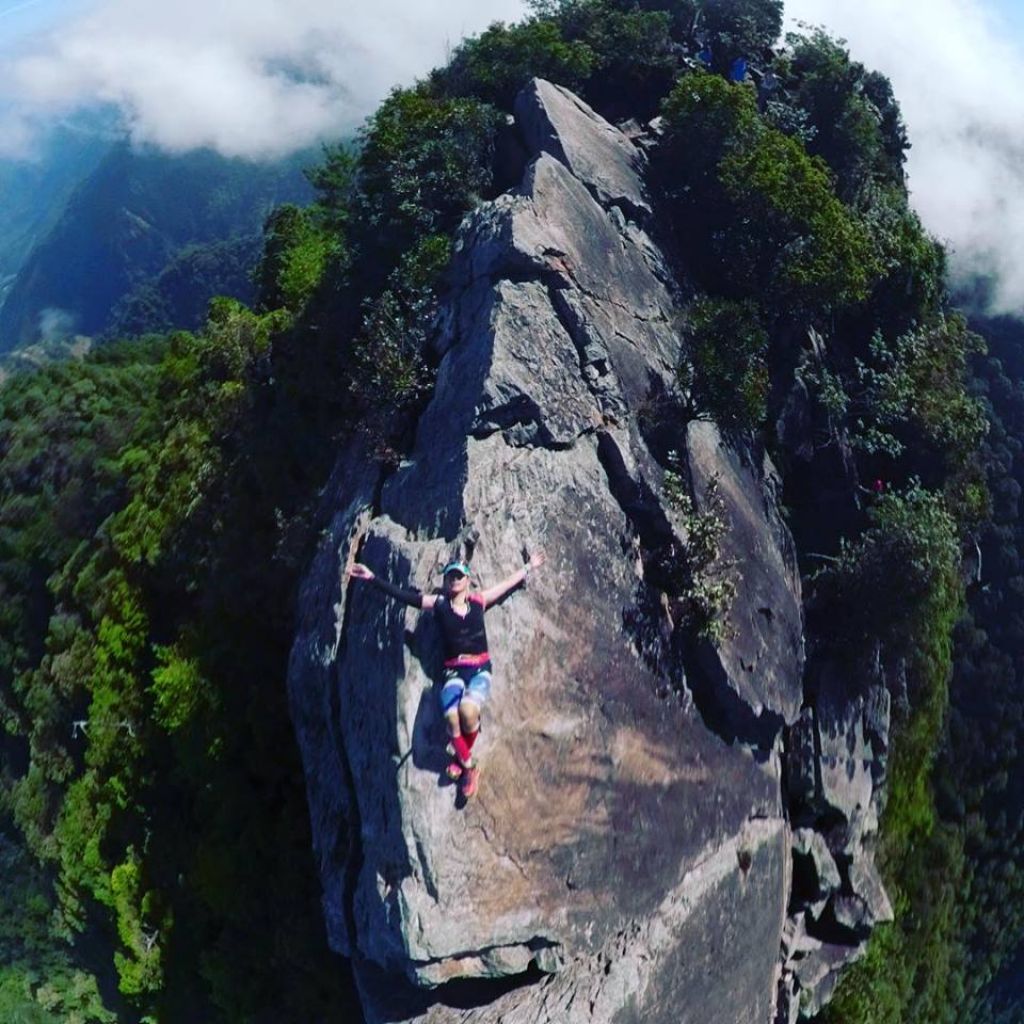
[
  {"x": 787, "y": 1008},
  {"x": 866, "y": 885},
  {"x": 852, "y": 716},
  {"x": 850, "y": 912},
  {"x": 819, "y": 972},
  {"x": 836, "y": 754},
  {"x": 816, "y": 875},
  {"x": 845, "y": 753},
  {"x": 846, "y": 837},
  {"x": 797, "y": 941}
]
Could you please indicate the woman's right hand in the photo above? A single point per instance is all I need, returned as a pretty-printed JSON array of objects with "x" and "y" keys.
[{"x": 360, "y": 571}]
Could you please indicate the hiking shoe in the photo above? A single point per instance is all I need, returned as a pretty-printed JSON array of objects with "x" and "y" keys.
[{"x": 470, "y": 781}]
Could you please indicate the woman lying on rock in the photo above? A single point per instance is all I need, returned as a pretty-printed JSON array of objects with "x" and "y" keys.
[{"x": 467, "y": 665}]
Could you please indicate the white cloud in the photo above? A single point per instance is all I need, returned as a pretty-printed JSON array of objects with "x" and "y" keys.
[
  {"x": 251, "y": 78},
  {"x": 955, "y": 69},
  {"x": 18, "y": 132},
  {"x": 56, "y": 324}
]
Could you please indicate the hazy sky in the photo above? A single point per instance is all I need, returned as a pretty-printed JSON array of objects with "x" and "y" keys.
[{"x": 257, "y": 78}]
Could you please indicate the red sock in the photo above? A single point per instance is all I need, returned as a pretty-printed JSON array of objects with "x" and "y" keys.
[
  {"x": 470, "y": 738},
  {"x": 461, "y": 747}
]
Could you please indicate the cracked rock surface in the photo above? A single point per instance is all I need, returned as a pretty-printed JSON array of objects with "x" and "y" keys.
[{"x": 624, "y": 860}]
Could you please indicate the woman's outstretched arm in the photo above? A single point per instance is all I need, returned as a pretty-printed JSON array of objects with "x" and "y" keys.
[
  {"x": 407, "y": 595},
  {"x": 499, "y": 590}
]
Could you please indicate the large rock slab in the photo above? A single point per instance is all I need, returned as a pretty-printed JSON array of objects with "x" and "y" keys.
[
  {"x": 554, "y": 120},
  {"x": 607, "y": 285},
  {"x": 846, "y": 753},
  {"x": 837, "y": 753},
  {"x": 598, "y": 794},
  {"x": 868, "y": 891},
  {"x": 648, "y": 973},
  {"x": 620, "y": 862},
  {"x": 602, "y": 789},
  {"x": 816, "y": 875},
  {"x": 752, "y": 679},
  {"x": 818, "y": 974}
]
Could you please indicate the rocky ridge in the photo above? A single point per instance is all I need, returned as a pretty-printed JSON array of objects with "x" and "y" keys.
[{"x": 667, "y": 829}]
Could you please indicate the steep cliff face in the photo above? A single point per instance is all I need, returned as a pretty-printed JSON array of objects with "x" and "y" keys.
[{"x": 628, "y": 856}]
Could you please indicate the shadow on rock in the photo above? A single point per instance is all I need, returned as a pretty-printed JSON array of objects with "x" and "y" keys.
[{"x": 429, "y": 736}]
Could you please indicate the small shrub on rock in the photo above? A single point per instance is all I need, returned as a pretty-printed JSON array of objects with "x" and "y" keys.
[{"x": 729, "y": 347}]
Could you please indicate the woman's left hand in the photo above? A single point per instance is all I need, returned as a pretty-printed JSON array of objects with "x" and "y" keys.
[{"x": 537, "y": 559}]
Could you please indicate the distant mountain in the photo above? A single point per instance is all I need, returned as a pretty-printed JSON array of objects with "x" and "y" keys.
[
  {"x": 127, "y": 222},
  {"x": 35, "y": 191},
  {"x": 179, "y": 295}
]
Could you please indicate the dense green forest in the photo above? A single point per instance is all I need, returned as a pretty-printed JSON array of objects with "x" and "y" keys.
[
  {"x": 157, "y": 507},
  {"x": 983, "y": 763}
]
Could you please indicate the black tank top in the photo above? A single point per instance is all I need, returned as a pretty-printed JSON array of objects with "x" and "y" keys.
[{"x": 463, "y": 637}]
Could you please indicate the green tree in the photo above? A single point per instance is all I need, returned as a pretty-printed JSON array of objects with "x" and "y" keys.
[
  {"x": 425, "y": 162},
  {"x": 859, "y": 130},
  {"x": 333, "y": 178},
  {"x": 740, "y": 28},
  {"x": 296, "y": 255},
  {"x": 907, "y": 974},
  {"x": 760, "y": 214},
  {"x": 498, "y": 63},
  {"x": 729, "y": 347}
]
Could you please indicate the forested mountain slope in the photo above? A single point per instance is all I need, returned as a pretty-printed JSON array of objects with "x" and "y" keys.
[
  {"x": 126, "y": 223},
  {"x": 983, "y": 763},
  {"x": 35, "y": 189}
]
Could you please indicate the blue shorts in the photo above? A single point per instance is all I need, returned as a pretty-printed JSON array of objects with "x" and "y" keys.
[{"x": 473, "y": 682}]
